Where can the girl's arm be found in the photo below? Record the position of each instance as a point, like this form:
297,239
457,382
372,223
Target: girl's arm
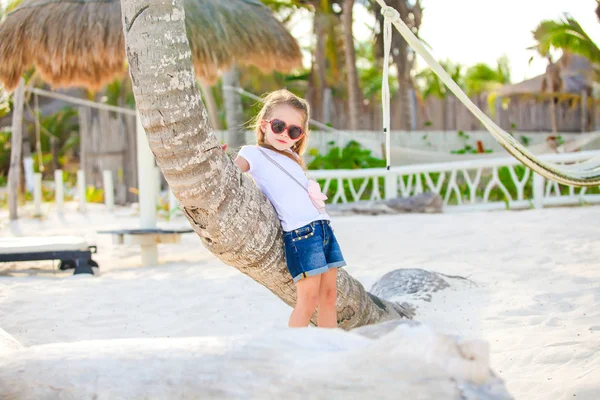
241,162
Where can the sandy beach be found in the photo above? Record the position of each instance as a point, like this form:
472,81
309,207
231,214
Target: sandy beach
532,290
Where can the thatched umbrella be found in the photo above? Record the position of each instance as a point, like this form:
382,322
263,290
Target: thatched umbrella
81,43
573,72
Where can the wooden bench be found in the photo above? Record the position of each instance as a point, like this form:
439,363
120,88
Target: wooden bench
72,251
147,239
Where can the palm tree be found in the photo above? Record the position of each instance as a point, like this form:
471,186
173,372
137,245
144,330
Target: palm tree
568,36
354,92
232,217
411,14
234,112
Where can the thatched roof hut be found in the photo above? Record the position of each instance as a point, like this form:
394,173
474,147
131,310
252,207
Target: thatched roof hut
575,74
81,43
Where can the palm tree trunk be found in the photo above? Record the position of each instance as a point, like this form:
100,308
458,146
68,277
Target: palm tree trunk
14,173
320,63
354,94
233,218
233,109
211,106
553,115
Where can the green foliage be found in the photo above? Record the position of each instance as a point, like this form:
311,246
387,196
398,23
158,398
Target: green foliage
4,153
94,195
565,34
5,102
369,72
353,156
525,140
120,93
481,77
430,84
467,148
163,210
61,127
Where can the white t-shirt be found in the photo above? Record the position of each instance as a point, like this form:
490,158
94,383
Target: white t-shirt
293,206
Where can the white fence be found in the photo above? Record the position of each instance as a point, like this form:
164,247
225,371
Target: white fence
489,184
472,185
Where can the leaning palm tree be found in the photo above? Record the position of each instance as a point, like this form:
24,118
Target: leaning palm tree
233,218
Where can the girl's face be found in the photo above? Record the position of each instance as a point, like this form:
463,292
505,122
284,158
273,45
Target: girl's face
290,116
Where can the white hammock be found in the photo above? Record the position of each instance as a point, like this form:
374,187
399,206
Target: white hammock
586,173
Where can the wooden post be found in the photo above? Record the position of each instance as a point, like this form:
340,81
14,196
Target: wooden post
14,173
584,109
173,203
538,190
391,185
234,110
81,190
109,193
37,194
84,131
59,190
147,192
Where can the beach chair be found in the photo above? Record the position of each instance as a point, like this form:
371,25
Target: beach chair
72,251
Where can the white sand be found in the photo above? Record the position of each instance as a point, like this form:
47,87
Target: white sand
535,297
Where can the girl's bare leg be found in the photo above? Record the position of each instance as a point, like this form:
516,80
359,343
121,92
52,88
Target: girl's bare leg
327,317
307,293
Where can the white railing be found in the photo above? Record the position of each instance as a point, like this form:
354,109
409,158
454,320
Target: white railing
487,184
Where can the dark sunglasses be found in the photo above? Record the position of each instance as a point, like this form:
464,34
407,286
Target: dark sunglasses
278,126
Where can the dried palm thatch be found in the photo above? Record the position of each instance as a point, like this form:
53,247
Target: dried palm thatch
571,74
80,43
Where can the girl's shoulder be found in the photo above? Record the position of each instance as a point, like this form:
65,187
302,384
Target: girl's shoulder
248,150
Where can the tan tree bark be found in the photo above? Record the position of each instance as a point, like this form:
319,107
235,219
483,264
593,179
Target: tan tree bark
354,93
411,15
14,173
233,218
211,105
233,109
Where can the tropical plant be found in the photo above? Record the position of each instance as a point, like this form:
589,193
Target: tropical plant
352,156
369,72
483,78
60,128
429,83
565,34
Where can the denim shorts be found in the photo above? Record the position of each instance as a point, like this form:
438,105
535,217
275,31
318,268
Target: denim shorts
312,250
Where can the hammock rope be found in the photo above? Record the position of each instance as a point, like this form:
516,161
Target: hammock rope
586,173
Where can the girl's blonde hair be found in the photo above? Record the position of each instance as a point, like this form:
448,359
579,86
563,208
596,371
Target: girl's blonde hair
277,98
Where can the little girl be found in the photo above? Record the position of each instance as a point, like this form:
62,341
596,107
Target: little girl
312,252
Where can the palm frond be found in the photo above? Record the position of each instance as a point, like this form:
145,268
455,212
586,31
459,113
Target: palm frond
567,35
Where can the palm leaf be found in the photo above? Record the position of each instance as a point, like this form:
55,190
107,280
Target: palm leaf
567,35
